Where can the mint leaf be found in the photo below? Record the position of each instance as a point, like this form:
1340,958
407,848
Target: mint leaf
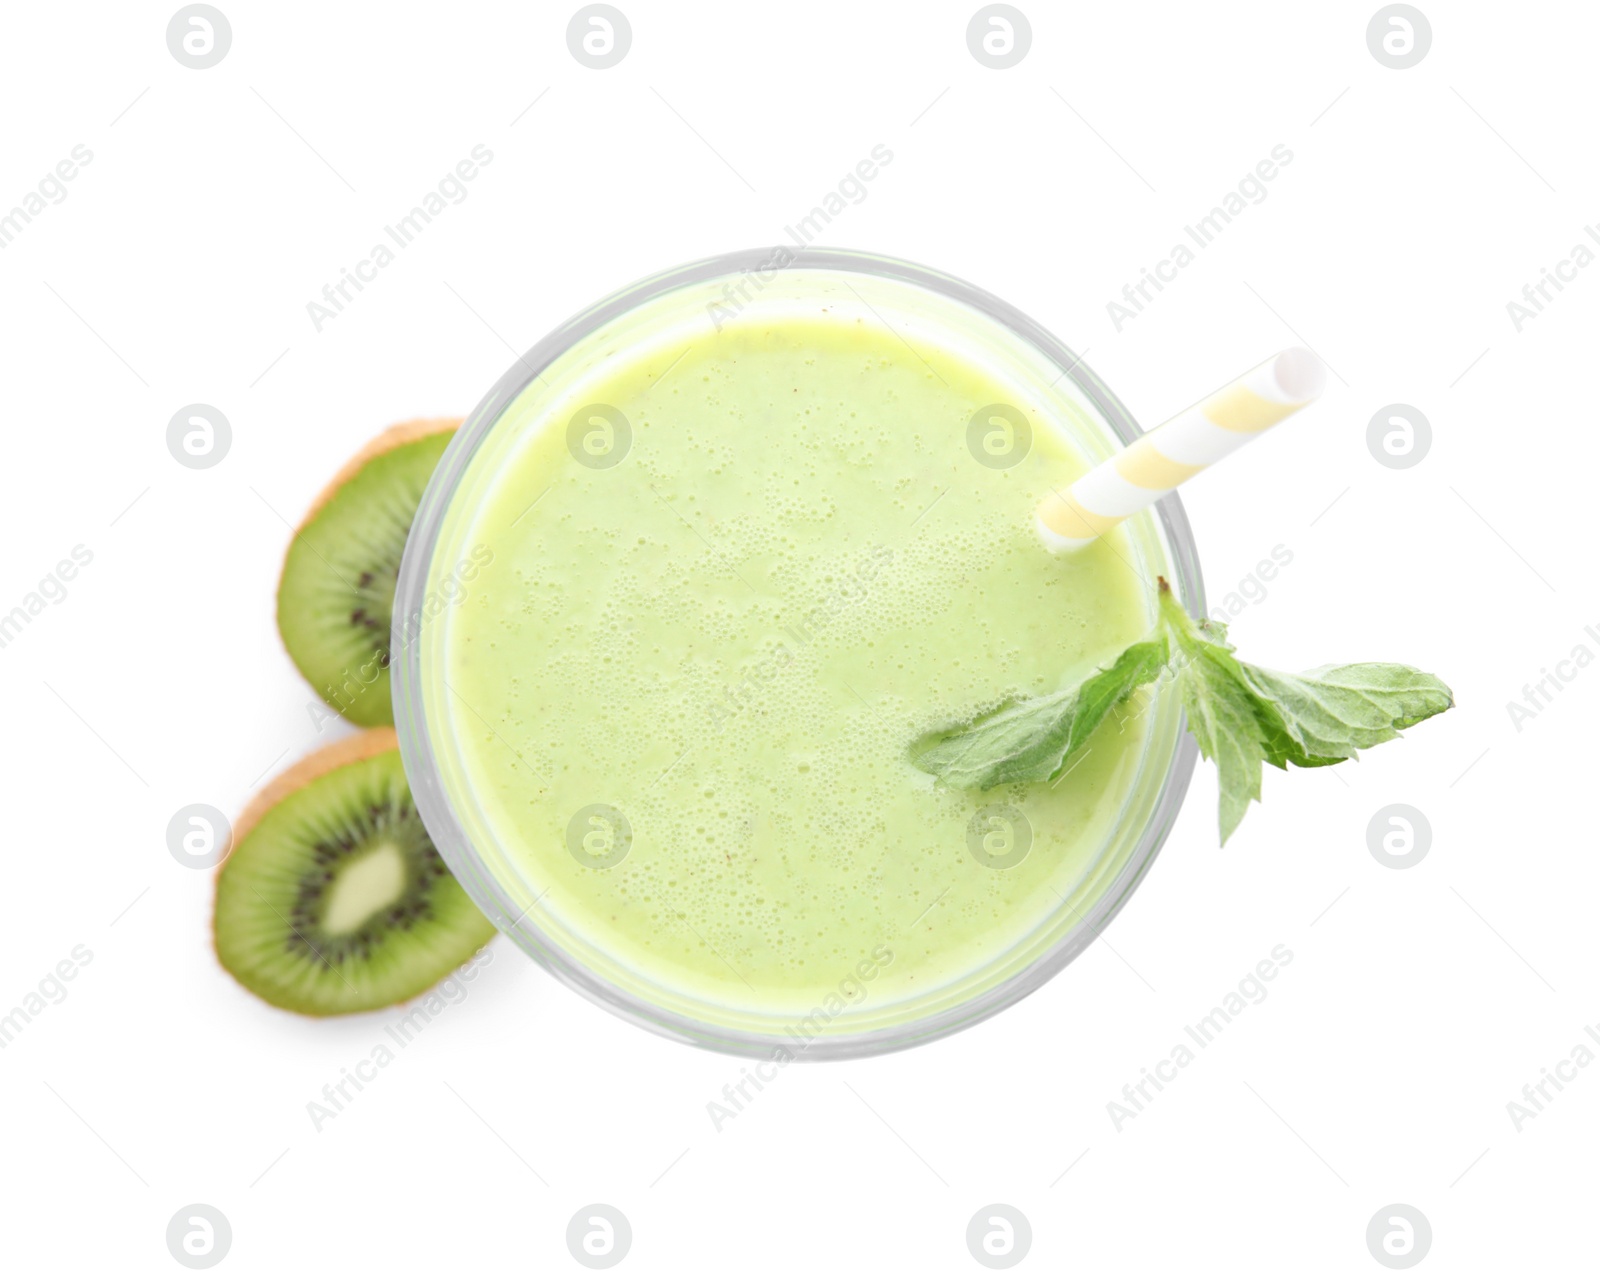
1225,719
1030,740
1331,713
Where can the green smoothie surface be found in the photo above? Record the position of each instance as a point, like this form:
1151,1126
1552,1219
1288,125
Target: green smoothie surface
731,634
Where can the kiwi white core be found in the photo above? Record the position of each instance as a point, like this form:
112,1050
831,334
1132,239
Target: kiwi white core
365,887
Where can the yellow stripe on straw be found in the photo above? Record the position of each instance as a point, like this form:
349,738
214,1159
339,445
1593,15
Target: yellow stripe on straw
1241,409
1144,466
1170,455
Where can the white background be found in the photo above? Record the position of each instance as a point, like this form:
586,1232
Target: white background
1419,1002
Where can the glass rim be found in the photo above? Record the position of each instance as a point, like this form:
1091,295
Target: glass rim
421,765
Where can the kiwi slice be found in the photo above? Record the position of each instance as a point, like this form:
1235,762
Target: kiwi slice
333,899
336,595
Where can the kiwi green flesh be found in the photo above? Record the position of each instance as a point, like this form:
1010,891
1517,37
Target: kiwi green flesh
337,902
336,598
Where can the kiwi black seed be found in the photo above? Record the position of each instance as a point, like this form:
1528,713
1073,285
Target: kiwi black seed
334,899
336,596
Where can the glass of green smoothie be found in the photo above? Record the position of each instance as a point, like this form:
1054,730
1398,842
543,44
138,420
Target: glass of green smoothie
688,585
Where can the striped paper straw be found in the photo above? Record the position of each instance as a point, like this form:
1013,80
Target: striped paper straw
1166,457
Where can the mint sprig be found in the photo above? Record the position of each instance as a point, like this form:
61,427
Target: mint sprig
1240,715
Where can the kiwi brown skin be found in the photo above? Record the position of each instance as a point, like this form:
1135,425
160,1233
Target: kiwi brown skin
352,681
392,437
357,747
351,750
